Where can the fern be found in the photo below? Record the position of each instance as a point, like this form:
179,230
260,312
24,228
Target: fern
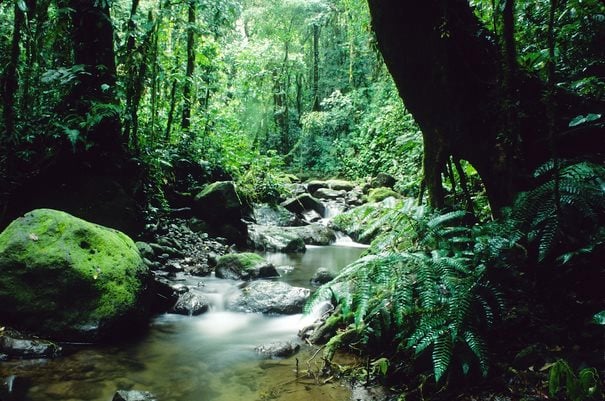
567,223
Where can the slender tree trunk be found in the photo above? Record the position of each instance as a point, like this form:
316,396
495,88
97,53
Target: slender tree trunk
10,79
154,77
170,112
187,88
131,77
316,106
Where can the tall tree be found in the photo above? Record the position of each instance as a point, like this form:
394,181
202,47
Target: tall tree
187,88
447,67
93,43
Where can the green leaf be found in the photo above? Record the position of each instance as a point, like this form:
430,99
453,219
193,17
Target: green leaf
22,6
579,120
72,134
599,318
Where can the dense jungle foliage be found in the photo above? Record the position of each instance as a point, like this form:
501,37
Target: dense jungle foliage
484,268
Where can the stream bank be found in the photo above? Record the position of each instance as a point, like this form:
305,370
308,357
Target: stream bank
215,352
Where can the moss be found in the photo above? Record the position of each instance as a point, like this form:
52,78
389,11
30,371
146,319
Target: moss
59,272
380,194
223,191
245,260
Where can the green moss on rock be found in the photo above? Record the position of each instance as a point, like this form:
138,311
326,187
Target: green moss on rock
66,278
380,194
245,260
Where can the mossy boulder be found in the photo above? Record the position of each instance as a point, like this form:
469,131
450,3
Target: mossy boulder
64,278
380,194
223,208
244,266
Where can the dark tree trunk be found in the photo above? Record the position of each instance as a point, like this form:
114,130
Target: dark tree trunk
130,122
187,88
447,69
10,80
315,67
92,35
170,112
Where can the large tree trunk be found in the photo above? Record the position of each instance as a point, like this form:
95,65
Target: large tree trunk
92,35
447,69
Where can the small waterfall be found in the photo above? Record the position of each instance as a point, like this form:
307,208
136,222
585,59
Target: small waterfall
344,240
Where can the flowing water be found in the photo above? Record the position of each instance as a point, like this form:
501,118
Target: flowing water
209,357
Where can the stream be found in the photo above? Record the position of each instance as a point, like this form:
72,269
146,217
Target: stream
209,357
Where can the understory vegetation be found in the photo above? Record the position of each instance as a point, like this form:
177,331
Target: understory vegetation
457,284
435,288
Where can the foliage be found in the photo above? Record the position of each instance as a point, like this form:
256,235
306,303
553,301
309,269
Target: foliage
563,214
435,296
583,386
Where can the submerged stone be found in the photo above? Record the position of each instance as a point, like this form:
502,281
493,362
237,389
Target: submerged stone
65,278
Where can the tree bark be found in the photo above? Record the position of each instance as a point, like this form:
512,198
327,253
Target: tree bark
315,67
447,68
10,80
92,36
187,88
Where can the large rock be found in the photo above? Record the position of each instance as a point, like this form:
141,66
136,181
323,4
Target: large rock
290,239
380,194
244,266
327,193
276,239
191,303
304,202
337,185
64,278
17,345
278,349
274,215
383,180
223,208
269,297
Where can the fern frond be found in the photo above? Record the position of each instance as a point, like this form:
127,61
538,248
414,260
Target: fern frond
478,348
442,354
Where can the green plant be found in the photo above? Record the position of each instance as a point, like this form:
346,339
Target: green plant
563,214
562,380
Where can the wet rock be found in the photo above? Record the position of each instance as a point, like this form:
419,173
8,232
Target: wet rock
49,258
278,349
16,345
133,395
191,303
269,297
383,180
277,239
290,239
327,193
244,266
145,250
223,209
311,216
321,276
304,202
337,185
163,294
274,215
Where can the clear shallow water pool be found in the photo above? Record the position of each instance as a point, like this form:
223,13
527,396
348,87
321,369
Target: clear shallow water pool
209,357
